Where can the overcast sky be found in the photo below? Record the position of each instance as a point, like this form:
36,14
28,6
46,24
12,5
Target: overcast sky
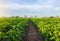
38,8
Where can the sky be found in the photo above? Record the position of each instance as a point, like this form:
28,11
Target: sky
28,8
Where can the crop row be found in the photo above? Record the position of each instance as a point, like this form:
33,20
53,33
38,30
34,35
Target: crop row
12,29
50,28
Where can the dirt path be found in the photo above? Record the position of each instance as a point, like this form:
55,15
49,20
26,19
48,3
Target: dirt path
32,34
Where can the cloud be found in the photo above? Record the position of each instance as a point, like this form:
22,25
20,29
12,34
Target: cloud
2,9
50,1
44,8
18,6
29,6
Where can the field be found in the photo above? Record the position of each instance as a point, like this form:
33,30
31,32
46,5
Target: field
29,29
50,28
11,29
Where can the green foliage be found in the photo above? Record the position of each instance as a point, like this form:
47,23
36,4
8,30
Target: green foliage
12,28
50,27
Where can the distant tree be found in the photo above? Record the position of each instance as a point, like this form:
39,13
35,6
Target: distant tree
51,16
35,16
17,17
31,16
4,17
12,17
25,16
57,16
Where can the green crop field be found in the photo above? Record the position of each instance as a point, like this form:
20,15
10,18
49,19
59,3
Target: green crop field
29,20
13,28
50,27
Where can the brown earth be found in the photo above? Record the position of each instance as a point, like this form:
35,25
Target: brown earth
32,33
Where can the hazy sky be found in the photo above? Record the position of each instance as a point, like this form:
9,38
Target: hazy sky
38,8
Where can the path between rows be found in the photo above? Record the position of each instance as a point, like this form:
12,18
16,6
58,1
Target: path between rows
32,34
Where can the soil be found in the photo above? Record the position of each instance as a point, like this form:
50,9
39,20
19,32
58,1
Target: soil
32,33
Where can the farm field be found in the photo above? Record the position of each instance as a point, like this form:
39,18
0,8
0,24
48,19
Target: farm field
11,29
29,20
49,26
29,29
